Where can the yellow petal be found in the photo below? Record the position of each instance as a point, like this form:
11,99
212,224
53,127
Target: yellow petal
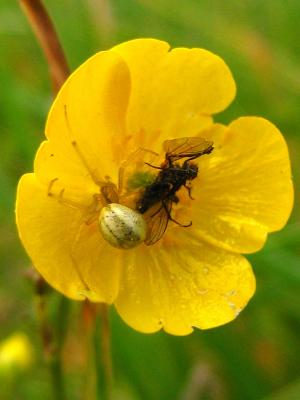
86,124
173,93
244,189
58,170
190,284
65,245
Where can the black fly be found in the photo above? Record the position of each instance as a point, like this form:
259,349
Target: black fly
160,195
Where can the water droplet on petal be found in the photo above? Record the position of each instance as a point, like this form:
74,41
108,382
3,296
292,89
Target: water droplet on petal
234,308
202,291
232,305
237,311
230,293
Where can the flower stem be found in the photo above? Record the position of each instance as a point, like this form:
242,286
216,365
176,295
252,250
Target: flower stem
89,313
58,386
103,354
53,336
98,381
45,32
55,362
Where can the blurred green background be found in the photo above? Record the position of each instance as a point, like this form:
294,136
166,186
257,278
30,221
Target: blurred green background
254,357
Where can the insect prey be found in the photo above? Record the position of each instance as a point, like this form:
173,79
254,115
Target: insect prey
161,194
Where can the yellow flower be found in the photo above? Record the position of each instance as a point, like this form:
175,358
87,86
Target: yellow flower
138,95
15,352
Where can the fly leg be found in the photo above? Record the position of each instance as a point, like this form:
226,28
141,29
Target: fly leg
168,211
153,166
189,190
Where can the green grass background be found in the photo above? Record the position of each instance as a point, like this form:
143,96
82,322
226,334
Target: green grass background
254,357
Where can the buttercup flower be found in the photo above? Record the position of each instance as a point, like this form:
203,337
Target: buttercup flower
108,133
15,353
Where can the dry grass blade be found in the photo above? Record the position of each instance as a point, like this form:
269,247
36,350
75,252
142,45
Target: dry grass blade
48,39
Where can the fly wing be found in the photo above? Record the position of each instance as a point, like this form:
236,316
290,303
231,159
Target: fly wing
157,222
135,173
188,147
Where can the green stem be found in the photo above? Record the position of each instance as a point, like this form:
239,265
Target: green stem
52,339
53,335
103,355
99,356
55,362
58,388
61,322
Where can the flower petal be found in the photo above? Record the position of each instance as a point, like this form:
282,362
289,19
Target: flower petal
68,252
86,124
173,93
244,189
188,284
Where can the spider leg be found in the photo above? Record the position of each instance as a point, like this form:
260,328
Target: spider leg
90,211
87,220
73,258
60,197
109,193
79,152
51,183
